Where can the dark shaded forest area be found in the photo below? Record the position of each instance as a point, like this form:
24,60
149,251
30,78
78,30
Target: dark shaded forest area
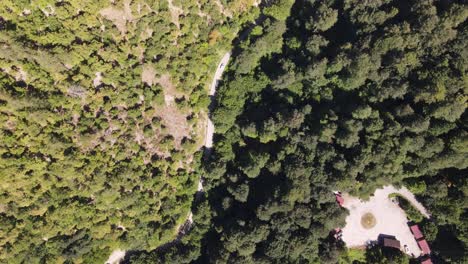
335,95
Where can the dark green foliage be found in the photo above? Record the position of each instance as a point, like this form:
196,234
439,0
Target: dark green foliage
446,200
270,42
412,213
279,9
361,94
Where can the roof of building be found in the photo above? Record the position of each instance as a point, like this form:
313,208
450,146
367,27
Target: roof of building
427,261
424,246
390,242
416,232
339,199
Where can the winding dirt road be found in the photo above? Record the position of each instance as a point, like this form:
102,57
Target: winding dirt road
209,124
118,255
214,84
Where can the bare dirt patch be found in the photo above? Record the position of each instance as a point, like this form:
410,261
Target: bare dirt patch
148,33
175,13
140,50
22,75
175,122
223,10
170,91
166,83
119,17
10,124
148,75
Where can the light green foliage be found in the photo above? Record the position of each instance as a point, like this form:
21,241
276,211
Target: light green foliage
279,9
415,185
271,41
352,255
90,158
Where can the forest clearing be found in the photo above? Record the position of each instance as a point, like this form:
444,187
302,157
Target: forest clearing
390,219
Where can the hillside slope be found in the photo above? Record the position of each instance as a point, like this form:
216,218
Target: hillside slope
103,109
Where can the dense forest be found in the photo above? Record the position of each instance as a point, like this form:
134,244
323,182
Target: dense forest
102,111
103,103
335,95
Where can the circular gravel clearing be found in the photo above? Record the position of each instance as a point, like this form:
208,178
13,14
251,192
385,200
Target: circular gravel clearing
390,219
368,221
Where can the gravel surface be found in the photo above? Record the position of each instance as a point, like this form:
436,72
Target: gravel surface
390,219
218,74
116,256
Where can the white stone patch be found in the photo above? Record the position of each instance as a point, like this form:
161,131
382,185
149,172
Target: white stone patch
116,256
98,79
200,185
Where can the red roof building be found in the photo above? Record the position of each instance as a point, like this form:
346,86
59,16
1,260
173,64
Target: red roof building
339,199
424,246
426,261
391,242
416,232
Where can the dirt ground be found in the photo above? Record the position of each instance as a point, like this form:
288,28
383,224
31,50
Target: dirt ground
119,17
390,219
175,13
